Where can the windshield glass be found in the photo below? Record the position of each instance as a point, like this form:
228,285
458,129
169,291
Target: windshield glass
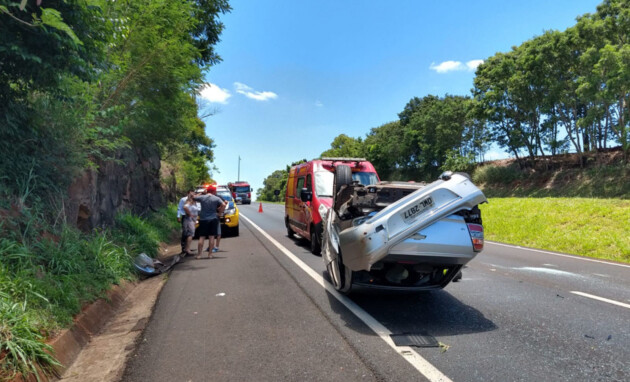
241,189
324,183
365,178
225,195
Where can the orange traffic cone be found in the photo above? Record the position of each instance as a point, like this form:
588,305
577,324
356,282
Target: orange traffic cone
260,208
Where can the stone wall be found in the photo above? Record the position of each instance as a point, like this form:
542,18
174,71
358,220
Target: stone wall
131,182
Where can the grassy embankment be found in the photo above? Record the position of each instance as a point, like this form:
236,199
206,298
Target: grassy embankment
579,211
47,274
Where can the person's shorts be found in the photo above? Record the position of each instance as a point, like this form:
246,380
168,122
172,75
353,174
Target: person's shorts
208,227
188,226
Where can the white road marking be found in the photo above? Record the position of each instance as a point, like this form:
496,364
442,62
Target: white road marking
547,271
422,365
601,299
558,254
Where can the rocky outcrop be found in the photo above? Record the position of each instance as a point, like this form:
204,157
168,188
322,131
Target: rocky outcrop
130,182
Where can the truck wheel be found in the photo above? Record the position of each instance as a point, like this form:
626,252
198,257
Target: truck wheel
316,243
290,232
343,175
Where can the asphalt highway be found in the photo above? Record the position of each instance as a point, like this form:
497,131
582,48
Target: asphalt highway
263,310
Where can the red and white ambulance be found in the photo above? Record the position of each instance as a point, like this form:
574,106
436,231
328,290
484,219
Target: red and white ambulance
310,193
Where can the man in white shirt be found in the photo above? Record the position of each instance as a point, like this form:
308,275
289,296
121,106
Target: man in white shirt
181,213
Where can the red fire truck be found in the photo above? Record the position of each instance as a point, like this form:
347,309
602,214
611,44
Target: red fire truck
241,192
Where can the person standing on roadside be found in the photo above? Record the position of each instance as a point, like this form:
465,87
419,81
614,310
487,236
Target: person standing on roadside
192,208
180,216
211,207
218,238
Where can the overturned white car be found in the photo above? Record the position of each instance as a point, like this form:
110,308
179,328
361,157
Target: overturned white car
396,235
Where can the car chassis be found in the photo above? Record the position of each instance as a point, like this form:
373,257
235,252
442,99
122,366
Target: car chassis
396,235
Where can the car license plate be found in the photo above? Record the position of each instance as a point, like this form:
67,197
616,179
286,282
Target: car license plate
411,213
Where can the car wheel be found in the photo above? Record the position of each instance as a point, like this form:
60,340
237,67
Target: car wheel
343,175
316,243
457,277
340,275
235,231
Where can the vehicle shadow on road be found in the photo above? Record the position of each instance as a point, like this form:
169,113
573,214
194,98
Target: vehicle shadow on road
435,313
302,243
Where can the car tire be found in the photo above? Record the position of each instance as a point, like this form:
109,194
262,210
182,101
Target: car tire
457,277
235,231
340,275
343,175
316,242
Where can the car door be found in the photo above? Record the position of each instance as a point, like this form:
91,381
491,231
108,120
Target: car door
300,208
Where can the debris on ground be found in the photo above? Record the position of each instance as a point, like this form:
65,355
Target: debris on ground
147,266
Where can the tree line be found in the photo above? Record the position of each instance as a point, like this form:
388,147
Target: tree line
562,91
81,80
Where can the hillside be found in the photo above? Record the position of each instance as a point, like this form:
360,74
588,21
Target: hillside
594,175
564,204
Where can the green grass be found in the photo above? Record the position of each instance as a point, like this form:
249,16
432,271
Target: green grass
591,227
45,282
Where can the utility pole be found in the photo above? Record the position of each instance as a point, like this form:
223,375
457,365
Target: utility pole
238,179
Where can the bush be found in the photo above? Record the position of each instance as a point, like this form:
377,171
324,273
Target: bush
496,175
136,234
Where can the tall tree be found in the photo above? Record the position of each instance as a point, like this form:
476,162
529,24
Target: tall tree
434,126
384,149
345,146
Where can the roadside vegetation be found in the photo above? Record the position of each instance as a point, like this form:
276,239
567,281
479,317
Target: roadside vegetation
82,85
591,227
583,211
48,274
83,81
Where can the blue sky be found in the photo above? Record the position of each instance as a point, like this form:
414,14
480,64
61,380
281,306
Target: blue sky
295,74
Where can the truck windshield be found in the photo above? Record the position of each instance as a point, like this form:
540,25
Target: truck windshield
365,178
324,181
241,189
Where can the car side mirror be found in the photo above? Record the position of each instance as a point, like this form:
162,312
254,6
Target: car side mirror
306,195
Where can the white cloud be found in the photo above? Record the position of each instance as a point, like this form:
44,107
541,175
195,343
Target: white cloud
446,66
214,93
473,64
452,66
318,103
253,94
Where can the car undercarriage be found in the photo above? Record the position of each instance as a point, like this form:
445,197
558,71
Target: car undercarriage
401,235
